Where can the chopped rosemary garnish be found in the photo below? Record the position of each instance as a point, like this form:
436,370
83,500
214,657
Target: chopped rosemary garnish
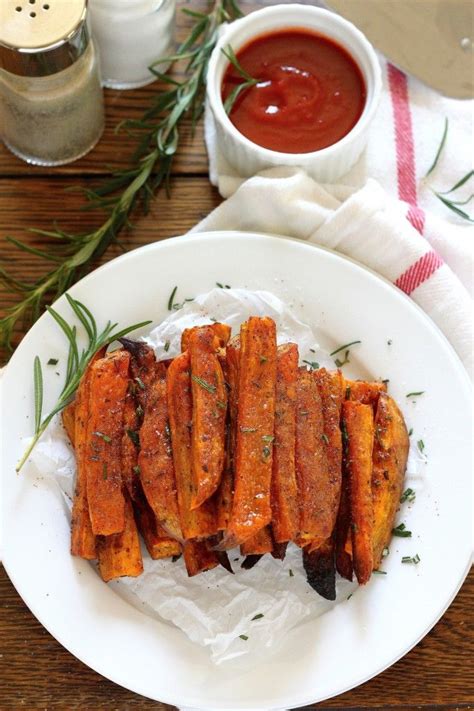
440,148
385,381
312,364
103,436
76,363
343,348
136,469
291,574
171,299
140,383
389,342
266,451
401,531
158,134
104,471
223,286
52,361
379,572
421,446
410,431
385,552
408,495
348,392
204,384
417,394
166,347
325,438
263,359
134,437
257,617
268,438
411,559
339,363
248,429
248,82
244,637
139,411
221,404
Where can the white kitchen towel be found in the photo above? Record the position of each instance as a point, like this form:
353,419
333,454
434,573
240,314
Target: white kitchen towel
383,213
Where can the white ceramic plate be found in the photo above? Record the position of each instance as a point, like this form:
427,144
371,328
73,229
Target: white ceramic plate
357,639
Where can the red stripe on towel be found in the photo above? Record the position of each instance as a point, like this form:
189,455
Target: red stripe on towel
419,272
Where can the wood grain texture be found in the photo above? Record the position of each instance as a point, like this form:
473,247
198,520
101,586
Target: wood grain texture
35,671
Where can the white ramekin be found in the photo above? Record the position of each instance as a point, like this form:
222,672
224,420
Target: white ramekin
328,164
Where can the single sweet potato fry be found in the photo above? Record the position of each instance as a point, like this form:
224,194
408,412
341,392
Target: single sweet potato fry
198,558
331,390
83,543
209,414
315,491
68,417
120,554
251,508
388,474
284,496
230,367
221,332
359,424
158,544
155,459
131,427
201,522
259,544
108,388
365,393
320,569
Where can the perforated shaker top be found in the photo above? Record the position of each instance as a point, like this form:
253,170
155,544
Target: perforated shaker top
40,37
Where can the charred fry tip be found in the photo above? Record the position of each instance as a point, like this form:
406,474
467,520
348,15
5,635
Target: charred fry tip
250,561
223,559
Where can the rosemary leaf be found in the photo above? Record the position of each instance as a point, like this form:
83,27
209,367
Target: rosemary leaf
248,82
344,347
440,148
38,391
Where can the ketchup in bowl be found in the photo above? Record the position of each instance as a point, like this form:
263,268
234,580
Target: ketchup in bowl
309,95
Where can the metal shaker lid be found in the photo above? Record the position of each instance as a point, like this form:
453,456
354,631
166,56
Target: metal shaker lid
41,37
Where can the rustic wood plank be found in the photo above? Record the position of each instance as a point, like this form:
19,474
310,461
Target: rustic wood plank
37,673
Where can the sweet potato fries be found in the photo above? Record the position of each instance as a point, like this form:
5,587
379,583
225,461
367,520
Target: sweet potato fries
232,444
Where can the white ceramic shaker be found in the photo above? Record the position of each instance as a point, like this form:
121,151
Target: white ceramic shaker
131,35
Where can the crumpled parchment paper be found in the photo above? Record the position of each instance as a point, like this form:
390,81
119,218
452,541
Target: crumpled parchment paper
213,609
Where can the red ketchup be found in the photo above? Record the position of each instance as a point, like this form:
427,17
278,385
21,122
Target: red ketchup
310,92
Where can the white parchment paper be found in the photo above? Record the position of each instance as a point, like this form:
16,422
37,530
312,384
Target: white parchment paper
213,609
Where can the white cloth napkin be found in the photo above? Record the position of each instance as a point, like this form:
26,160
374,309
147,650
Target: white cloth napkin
383,213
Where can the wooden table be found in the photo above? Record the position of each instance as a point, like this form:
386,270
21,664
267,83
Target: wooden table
35,671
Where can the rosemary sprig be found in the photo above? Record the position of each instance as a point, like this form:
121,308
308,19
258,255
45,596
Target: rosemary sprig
248,82
452,205
76,363
157,142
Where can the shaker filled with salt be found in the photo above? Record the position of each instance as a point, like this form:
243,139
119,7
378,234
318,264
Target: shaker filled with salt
51,100
132,35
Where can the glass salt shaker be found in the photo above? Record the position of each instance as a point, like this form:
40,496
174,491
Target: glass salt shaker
131,35
51,99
